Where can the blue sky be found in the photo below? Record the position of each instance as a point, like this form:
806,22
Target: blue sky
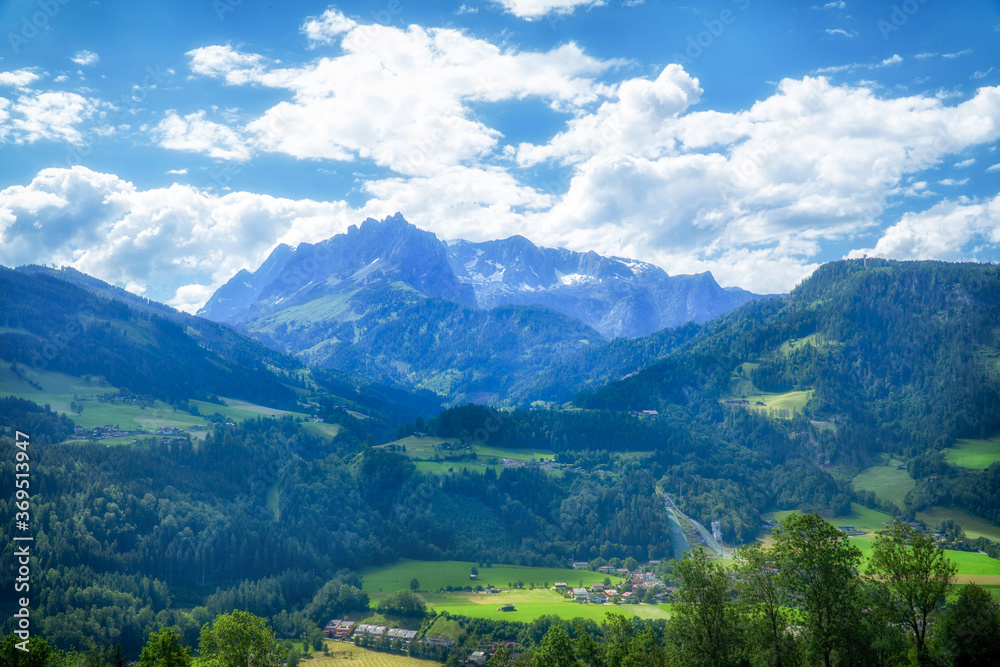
164,146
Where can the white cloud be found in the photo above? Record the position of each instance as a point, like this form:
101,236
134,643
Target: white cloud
534,9
85,58
995,167
953,182
632,122
812,162
46,116
328,27
21,78
966,163
400,98
466,9
174,244
894,59
178,172
835,5
959,54
943,232
841,32
196,134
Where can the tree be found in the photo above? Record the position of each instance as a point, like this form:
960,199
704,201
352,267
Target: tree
917,575
502,658
819,567
556,650
414,584
240,639
631,564
118,658
969,628
39,653
164,649
704,623
402,603
762,606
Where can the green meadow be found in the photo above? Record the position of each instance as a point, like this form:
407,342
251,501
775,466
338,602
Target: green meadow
860,517
974,454
972,566
435,575
887,482
429,456
530,605
973,526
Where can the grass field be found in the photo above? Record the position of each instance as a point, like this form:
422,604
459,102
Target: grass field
791,402
344,654
973,526
860,517
531,605
974,454
428,455
972,567
887,482
435,575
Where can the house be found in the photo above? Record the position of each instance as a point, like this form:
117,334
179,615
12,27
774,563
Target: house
507,607
474,576
344,630
650,413
580,565
477,658
438,641
405,636
597,588
330,630
580,594
371,630
561,585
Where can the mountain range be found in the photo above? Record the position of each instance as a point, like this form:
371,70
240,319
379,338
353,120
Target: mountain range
469,321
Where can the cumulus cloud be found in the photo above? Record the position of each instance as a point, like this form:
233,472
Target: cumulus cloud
327,27
811,163
399,97
195,133
45,116
21,78
943,232
175,244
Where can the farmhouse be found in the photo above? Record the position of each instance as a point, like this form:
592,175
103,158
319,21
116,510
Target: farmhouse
580,594
561,585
